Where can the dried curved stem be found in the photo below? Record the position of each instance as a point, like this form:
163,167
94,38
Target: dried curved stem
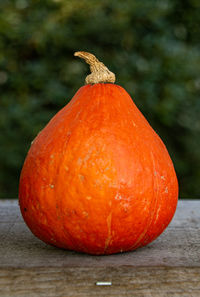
99,72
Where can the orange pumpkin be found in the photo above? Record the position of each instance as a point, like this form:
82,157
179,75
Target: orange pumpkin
98,179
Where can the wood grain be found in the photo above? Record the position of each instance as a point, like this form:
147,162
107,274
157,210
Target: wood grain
170,266
126,281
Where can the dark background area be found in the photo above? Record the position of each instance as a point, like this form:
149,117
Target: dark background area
152,46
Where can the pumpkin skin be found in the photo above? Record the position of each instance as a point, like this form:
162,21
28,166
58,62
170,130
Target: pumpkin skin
98,179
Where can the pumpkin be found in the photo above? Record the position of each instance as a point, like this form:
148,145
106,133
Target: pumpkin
98,179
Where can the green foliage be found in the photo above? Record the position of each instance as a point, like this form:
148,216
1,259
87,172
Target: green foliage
152,46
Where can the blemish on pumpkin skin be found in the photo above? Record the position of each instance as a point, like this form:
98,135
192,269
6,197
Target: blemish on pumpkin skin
105,177
162,177
125,206
157,214
51,186
139,238
85,214
79,161
118,197
51,161
71,213
109,237
81,177
97,182
66,168
133,123
88,197
166,190
77,115
52,239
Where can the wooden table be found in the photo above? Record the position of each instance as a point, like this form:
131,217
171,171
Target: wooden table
170,266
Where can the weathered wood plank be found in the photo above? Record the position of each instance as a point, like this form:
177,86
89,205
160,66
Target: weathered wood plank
170,266
126,281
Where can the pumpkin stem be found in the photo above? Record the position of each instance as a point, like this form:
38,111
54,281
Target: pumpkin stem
99,72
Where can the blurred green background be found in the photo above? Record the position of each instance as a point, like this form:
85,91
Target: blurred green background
153,46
